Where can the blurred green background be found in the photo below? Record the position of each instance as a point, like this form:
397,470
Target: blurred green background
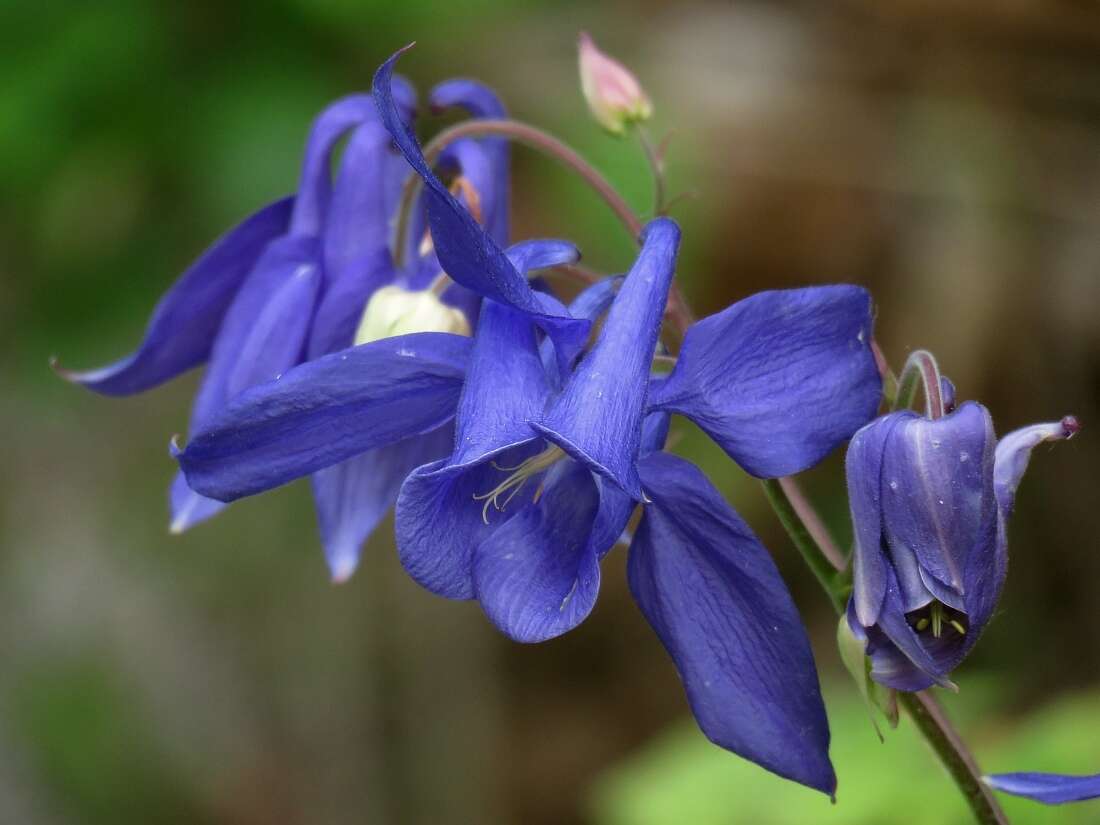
945,155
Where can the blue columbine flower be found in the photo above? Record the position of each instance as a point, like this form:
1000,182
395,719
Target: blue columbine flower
930,502
290,284
555,445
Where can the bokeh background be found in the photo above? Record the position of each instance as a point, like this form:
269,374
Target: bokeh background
946,155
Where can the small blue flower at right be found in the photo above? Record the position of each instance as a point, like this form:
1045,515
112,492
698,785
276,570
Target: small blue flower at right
930,502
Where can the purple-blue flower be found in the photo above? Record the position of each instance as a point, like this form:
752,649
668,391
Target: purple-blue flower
556,442
930,501
291,283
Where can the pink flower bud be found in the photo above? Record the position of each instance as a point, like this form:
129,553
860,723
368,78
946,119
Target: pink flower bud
614,95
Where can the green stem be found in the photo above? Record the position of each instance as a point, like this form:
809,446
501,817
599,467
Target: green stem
816,559
920,370
930,719
657,165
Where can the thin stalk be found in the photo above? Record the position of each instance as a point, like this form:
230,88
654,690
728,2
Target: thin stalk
920,370
653,156
813,523
816,559
929,717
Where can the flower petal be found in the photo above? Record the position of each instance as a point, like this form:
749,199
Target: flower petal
1014,452
326,411
1049,788
598,417
714,597
464,249
315,184
935,483
888,669
352,497
187,507
863,468
542,253
441,517
263,335
538,575
357,228
482,102
341,306
779,379
186,320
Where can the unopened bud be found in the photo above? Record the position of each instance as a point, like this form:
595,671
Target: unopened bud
396,311
614,96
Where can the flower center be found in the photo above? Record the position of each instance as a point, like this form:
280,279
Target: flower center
500,496
935,616
396,311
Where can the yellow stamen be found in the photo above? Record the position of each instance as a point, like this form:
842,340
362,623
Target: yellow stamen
500,496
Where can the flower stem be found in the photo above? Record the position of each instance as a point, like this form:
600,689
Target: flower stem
815,557
929,717
657,165
920,369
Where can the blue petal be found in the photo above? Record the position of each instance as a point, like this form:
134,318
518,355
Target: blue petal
358,226
1049,788
315,184
439,519
538,575
262,336
598,417
187,507
590,304
186,320
476,165
542,253
505,388
481,102
1014,452
888,670
863,467
326,411
935,483
352,497
715,599
475,97
341,306
779,379
464,249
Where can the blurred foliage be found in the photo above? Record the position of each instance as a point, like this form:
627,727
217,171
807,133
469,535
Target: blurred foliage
948,157
680,777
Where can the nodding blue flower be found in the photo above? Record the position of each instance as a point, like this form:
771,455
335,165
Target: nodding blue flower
930,502
556,443
293,282
1049,788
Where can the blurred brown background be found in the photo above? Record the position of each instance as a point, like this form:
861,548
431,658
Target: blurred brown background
946,156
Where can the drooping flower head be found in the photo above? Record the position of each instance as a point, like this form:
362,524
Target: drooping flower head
930,501
304,277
